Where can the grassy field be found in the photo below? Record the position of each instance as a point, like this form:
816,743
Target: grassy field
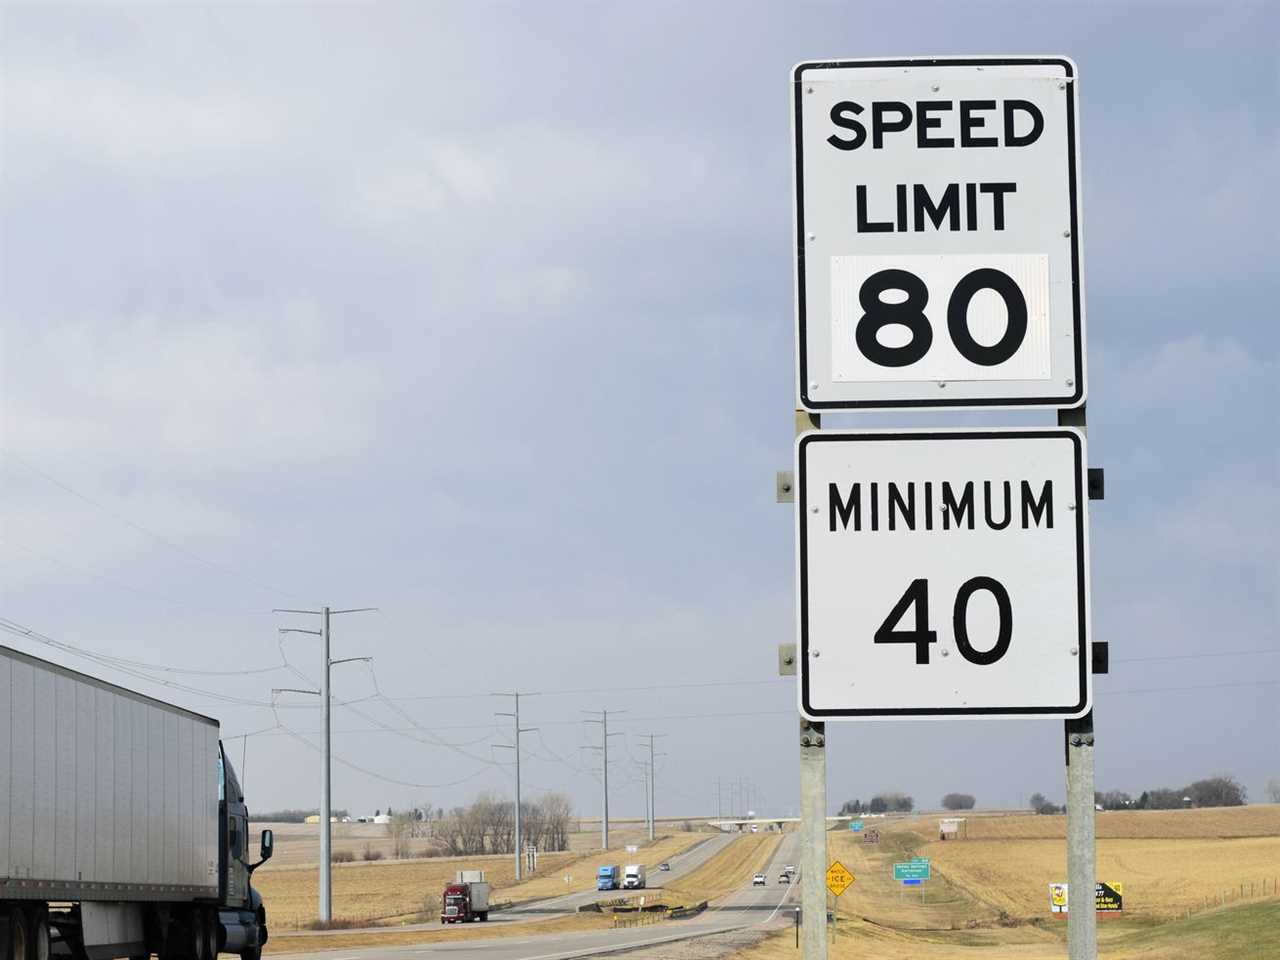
298,844
729,870
988,899
1249,931
302,943
581,871
392,890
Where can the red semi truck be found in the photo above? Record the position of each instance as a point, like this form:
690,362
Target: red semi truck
466,899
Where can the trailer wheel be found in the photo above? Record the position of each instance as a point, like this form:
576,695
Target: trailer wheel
251,953
19,935
208,935
40,938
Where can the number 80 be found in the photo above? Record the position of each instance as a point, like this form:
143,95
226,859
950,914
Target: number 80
910,314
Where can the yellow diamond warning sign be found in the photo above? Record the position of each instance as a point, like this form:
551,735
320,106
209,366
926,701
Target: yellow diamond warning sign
839,879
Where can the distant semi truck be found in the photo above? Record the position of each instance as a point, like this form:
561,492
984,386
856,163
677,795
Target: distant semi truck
634,876
466,899
609,878
123,828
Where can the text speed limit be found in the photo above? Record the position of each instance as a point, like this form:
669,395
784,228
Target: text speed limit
942,573
940,318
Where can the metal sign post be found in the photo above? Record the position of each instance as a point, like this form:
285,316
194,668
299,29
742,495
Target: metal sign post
1082,925
937,265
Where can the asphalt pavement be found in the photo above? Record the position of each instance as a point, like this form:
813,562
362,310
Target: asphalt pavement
750,906
681,865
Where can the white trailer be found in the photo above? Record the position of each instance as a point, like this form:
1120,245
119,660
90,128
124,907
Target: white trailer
123,812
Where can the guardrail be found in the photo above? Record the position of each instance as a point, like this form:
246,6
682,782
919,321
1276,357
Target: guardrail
681,913
637,919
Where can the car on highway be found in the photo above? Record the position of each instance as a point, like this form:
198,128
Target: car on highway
759,880
784,877
664,866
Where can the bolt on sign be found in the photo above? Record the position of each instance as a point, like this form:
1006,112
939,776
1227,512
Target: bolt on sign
839,879
942,573
937,216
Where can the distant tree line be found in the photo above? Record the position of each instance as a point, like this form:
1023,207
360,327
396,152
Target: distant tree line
294,816
958,801
890,802
1041,804
488,825
1219,791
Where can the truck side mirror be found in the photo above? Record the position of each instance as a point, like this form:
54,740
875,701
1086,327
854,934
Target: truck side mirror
268,845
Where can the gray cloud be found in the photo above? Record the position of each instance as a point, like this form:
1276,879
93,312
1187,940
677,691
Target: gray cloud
482,314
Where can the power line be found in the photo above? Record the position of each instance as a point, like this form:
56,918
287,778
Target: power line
112,581
584,691
1203,686
172,545
378,776
1196,656
19,630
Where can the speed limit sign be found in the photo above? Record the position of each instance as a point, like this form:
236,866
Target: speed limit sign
938,233
943,573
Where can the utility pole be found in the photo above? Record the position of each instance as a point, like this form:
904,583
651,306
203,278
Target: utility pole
604,768
326,780
653,814
516,695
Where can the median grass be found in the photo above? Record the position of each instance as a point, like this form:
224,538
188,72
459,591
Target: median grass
729,870
389,891
287,942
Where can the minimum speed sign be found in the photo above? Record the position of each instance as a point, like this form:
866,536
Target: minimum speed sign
943,573
938,233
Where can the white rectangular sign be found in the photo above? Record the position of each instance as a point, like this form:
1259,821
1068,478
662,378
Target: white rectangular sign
938,233
943,573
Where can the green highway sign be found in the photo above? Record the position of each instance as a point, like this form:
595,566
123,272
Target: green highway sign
915,870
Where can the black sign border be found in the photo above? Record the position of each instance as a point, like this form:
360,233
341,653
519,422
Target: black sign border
1078,394
1080,708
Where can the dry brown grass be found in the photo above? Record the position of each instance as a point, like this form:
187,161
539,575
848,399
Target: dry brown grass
582,870
988,899
1249,930
1260,820
301,943
389,890
729,870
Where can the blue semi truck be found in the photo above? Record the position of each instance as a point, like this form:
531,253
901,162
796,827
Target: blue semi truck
609,878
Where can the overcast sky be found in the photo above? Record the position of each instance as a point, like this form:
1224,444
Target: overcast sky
481,314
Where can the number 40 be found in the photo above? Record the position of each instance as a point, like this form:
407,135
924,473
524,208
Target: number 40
917,595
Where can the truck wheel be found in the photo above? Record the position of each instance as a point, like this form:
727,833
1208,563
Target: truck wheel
40,938
209,935
251,953
484,917
19,935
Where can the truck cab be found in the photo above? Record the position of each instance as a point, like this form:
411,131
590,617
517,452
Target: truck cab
608,877
242,919
634,877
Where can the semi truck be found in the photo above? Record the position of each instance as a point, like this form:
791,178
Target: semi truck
466,899
609,877
123,827
634,876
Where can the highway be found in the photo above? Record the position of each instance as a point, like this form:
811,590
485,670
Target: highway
744,908
681,865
